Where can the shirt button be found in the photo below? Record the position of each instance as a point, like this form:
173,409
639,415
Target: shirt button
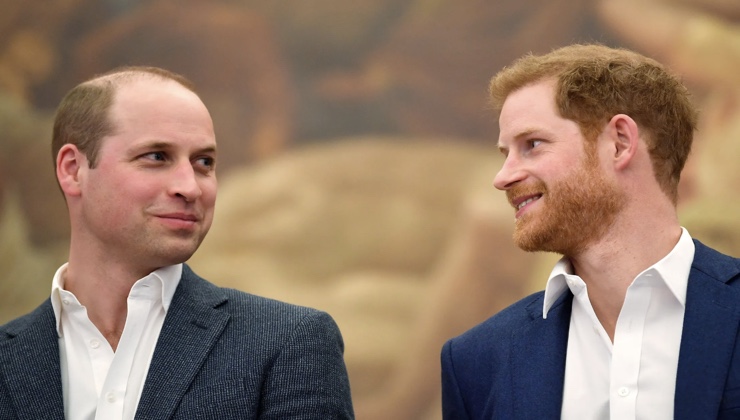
596,328
110,397
94,343
65,301
623,391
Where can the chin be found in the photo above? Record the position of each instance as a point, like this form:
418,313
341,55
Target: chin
530,237
545,240
172,255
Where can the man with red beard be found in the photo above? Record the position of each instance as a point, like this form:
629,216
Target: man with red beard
637,320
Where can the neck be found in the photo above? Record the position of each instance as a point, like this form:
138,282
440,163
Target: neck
608,267
103,287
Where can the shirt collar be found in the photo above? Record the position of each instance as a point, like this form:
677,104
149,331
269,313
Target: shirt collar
673,269
165,278
556,284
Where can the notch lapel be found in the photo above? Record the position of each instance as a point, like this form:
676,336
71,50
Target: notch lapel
538,361
31,366
709,336
191,328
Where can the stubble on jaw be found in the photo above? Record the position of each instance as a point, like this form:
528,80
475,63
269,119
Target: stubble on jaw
573,213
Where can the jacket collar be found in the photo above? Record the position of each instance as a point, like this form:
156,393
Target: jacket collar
538,360
30,354
711,322
191,328
709,334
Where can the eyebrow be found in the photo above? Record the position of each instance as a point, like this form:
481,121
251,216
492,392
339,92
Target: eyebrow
524,133
168,145
209,149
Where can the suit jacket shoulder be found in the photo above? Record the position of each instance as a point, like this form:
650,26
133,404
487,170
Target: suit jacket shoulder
510,366
708,375
513,364
30,376
715,265
227,354
499,327
221,354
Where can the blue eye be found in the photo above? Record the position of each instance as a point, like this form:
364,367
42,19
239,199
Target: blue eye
207,161
159,156
205,164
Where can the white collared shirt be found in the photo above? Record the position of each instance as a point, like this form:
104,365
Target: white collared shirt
635,377
98,383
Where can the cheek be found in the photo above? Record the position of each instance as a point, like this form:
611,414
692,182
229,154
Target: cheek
209,191
128,193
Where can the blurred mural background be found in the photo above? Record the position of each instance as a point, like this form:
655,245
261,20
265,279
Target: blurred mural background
356,151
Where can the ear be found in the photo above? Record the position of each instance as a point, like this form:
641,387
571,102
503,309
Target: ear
71,162
624,137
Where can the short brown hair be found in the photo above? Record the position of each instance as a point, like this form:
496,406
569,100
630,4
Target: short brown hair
82,116
595,82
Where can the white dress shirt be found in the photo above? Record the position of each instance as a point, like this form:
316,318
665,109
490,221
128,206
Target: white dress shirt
635,377
97,382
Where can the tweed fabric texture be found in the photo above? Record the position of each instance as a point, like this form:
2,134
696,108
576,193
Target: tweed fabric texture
221,354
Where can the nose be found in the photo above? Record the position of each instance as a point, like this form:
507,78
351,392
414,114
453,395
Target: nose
185,182
509,174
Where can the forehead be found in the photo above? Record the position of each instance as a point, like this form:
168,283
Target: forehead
145,94
159,106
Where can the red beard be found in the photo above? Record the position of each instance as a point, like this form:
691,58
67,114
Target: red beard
573,213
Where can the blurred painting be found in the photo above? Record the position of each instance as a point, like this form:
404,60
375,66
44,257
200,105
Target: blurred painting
356,151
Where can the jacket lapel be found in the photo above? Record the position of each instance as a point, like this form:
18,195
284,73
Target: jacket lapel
191,328
538,361
709,334
31,364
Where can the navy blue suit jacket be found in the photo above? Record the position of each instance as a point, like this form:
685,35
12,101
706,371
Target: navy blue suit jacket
221,354
512,366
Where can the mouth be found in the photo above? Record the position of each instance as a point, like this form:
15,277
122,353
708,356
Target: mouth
525,202
179,220
522,202
180,216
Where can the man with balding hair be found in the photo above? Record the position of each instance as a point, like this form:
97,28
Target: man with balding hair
130,331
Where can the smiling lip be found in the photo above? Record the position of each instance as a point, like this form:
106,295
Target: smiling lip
520,203
179,220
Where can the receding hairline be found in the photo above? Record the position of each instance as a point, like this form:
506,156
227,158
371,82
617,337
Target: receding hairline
129,74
